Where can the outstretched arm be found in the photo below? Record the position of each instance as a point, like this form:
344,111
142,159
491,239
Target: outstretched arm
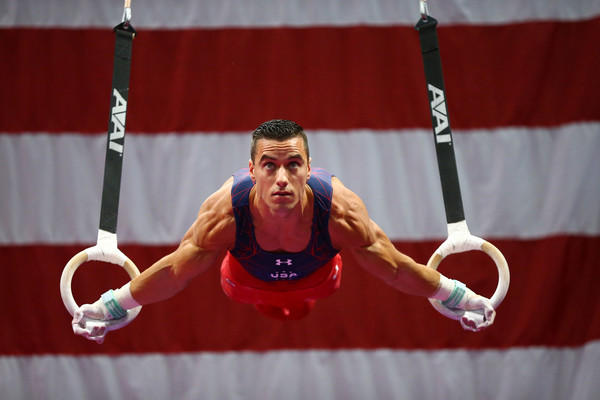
203,246
380,257
171,274
352,229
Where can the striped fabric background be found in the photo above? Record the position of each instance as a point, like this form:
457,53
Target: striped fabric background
522,84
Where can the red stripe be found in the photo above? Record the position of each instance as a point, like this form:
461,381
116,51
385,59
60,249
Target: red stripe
552,301
534,74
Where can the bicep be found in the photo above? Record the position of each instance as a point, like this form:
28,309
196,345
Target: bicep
352,229
349,222
190,260
208,237
374,251
203,245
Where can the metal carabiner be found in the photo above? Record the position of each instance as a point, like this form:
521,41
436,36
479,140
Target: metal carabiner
126,12
424,9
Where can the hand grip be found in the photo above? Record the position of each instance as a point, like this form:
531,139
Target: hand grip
503,277
67,294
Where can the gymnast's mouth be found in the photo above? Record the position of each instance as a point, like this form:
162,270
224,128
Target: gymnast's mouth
282,193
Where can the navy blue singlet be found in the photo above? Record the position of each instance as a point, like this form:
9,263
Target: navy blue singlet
268,266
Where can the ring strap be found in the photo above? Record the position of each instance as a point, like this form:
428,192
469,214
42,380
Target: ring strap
439,118
116,128
455,215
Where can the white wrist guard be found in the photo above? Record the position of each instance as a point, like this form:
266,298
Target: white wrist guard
451,292
124,297
456,297
119,301
444,289
112,305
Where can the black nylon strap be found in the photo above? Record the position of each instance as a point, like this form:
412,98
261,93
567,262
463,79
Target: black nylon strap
439,119
116,128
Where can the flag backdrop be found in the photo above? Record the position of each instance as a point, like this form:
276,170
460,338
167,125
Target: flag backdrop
522,89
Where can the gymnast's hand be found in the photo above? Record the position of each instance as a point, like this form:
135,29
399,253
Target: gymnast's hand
476,312
479,313
89,321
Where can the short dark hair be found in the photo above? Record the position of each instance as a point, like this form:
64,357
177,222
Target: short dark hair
278,129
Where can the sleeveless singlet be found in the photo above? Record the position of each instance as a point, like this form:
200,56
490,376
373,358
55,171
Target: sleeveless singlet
268,266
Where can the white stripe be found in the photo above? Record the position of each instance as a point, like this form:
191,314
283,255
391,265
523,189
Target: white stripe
516,183
525,373
269,13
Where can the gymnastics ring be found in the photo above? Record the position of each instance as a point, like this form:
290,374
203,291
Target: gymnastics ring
475,243
67,277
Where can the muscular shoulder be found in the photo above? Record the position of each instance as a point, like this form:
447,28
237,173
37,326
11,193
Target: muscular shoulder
349,222
215,226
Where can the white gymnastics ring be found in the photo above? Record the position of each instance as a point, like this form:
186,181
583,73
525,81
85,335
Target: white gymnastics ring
503,277
67,294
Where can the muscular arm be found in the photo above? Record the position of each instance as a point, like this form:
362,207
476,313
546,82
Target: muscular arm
203,246
351,228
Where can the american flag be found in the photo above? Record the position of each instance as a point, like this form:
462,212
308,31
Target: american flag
522,90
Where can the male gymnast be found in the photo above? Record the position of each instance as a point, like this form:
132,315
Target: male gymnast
276,229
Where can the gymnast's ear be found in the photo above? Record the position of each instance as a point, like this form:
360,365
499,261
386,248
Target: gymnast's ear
251,170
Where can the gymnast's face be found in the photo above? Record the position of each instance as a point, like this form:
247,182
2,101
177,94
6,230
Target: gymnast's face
280,170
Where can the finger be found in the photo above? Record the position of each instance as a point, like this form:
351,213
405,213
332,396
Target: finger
490,314
90,329
89,310
77,316
473,321
483,326
99,335
98,330
477,327
86,333
467,324
79,330
80,324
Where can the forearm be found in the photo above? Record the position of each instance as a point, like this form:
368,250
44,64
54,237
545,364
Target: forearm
413,278
154,284
171,274
159,282
383,260
404,274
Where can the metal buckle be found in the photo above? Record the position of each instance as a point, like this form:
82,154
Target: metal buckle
127,12
424,9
